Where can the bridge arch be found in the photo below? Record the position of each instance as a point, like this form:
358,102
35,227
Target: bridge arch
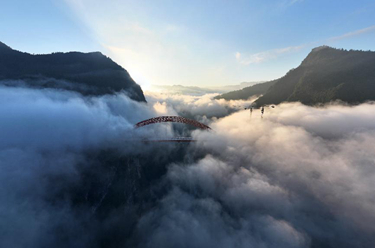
178,119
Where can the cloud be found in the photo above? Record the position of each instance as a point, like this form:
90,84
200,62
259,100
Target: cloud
352,34
68,119
202,108
59,152
74,174
277,180
262,57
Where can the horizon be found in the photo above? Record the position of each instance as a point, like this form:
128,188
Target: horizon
151,87
195,44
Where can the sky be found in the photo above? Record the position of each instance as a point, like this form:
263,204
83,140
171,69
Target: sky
200,43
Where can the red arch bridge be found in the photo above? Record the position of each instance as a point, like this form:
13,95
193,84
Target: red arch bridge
175,119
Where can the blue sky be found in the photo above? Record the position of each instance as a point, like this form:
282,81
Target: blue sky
190,42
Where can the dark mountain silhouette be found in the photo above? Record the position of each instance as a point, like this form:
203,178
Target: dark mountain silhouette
87,73
245,93
325,75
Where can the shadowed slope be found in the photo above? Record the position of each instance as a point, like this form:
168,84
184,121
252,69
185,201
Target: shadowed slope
327,74
87,73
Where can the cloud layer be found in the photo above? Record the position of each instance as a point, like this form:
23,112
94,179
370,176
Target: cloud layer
203,108
299,177
74,174
59,155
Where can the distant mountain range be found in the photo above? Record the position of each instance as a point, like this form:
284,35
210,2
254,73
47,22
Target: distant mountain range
325,75
198,91
247,92
87,73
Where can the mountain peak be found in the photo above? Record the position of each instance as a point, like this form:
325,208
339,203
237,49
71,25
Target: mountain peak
319,48
4,46
321,54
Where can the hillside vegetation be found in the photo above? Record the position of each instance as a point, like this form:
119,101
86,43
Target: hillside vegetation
325,75
245,93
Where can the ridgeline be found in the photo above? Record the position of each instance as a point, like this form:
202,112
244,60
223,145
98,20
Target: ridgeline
86,73
325,75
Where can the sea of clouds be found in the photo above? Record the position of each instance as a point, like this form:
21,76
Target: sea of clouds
75,173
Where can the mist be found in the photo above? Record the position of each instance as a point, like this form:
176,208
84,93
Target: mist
203,108
73,173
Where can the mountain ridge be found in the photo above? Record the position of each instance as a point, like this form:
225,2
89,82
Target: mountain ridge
87,73
247,92
326,74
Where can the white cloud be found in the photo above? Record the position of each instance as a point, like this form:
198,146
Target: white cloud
261,57
203,108
284,180
354,33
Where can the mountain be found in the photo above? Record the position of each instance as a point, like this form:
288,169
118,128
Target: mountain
325,75
245,93
184,90
87,73
198,91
